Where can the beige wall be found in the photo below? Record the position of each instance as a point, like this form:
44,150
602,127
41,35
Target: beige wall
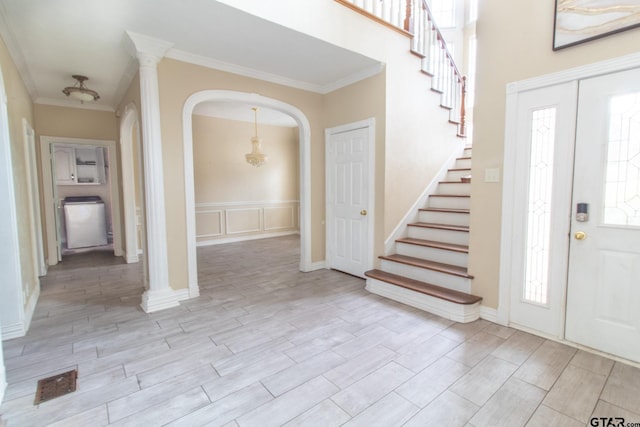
221,173
514,43
19,107
234,198
53,120
179,80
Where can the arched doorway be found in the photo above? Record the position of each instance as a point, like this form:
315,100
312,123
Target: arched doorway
305,170
130,155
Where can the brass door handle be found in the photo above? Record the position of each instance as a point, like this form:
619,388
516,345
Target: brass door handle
580,235
363,212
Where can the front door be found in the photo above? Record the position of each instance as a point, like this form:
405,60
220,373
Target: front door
348,217
603,299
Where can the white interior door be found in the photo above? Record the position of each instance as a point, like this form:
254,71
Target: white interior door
604,265
544,148
348,200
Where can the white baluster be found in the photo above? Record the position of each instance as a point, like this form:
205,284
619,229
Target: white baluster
377,8
368,5
397,13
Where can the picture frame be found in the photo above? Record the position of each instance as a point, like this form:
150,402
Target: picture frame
579,21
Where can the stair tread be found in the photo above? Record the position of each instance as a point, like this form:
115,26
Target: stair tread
453,182
449,195
464,158
460,169
447,210
429,265
433,244
440,226
424,288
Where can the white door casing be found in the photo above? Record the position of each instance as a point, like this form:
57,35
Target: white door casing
129,135
33,186
349,197
46,143
604,265
545,140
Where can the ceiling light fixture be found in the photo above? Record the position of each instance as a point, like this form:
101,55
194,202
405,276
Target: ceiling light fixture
256,157
79,91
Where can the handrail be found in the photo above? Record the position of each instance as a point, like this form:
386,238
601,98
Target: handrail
415,18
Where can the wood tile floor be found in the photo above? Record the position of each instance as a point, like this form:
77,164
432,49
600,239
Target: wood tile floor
266,345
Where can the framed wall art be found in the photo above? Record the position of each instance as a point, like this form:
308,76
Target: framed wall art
578,21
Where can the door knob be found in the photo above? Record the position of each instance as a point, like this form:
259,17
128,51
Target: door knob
363,212
580,235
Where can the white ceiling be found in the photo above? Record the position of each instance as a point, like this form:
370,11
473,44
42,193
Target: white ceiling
50,40
243,112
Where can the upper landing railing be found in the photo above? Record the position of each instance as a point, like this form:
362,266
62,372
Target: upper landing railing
414,18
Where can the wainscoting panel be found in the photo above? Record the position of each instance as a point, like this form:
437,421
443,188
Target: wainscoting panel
209,223
279,218
236,221
247,220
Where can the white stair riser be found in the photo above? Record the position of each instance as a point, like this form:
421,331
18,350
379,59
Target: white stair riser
468,152
449,202
462,163
439,235
437,278
462,313
455,175
450,218
434,254
458,188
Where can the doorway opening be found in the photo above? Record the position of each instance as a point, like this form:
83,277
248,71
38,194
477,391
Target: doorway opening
304,170
81,196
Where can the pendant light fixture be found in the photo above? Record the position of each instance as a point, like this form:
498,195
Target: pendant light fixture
79,91
256,158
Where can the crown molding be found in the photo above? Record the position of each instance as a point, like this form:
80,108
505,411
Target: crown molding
143,44
353,78
16,54
180,55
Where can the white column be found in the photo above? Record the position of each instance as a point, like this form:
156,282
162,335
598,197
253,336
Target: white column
159,295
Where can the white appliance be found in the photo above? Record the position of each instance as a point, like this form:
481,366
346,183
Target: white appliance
85,221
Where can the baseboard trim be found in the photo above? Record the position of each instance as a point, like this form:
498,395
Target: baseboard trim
15,330
457,312
31,306
131,259
490,314
3,383
245,238
319,265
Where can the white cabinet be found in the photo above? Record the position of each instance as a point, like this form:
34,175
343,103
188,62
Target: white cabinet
64,158
79,165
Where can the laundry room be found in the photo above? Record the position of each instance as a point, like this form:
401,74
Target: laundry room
83,196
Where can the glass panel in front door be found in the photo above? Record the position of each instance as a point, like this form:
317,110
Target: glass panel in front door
622,185
543,124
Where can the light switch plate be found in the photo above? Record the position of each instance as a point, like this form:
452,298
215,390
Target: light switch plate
492,175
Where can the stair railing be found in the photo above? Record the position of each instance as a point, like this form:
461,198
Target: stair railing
414,17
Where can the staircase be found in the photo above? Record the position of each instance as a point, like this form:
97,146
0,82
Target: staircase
429,268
